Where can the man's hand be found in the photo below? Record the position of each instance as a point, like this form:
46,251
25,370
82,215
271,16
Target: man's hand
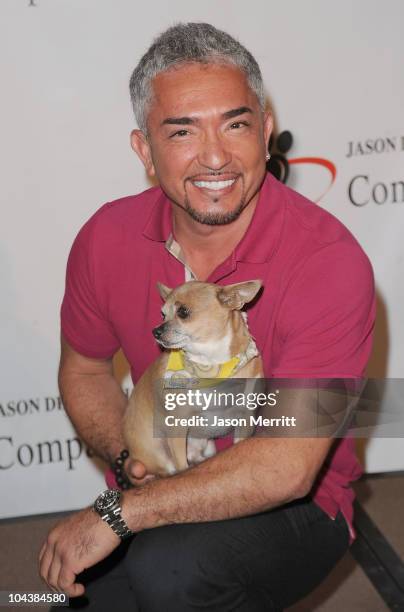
76,543
136,472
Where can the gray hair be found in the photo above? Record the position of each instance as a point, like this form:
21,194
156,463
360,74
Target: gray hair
189,42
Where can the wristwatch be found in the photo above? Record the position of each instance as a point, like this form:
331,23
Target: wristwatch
108,506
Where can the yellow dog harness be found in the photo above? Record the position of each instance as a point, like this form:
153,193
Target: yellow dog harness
179,366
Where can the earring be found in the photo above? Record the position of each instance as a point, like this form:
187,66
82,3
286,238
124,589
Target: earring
268,157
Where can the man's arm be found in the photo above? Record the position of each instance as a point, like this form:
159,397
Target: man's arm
93,400
255,475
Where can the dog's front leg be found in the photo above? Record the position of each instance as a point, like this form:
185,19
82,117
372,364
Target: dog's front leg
178,450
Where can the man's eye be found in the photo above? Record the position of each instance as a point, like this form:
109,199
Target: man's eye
180,133
182,312
238,124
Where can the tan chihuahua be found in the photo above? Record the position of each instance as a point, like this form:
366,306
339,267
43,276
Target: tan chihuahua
207,337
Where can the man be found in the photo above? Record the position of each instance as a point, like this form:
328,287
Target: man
260,524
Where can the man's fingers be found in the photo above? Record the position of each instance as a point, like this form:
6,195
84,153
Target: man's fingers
41,553
46,561
138,482
67,583
60,577
141,481
136,469
76,590
137,473
54,571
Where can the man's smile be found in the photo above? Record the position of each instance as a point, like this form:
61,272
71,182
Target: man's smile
215,185
222,183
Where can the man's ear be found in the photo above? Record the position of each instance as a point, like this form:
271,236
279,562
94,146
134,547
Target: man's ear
141,147
163,291
235,296
268,127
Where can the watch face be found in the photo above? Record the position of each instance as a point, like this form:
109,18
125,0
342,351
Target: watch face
107,500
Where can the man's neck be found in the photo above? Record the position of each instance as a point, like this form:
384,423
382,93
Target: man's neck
206,246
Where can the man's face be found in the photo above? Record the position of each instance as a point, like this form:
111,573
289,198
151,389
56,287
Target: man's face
207,140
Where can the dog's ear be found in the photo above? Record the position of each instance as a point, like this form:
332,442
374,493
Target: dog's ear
163,291
235,296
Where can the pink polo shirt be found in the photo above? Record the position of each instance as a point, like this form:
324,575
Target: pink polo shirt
314,318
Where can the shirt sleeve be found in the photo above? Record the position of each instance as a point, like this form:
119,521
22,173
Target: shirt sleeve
84,322
327,315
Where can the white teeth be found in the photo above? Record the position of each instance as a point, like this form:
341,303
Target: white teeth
215,185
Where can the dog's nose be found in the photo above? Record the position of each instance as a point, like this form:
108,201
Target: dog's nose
157,332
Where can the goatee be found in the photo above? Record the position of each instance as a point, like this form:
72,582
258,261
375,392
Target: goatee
214,218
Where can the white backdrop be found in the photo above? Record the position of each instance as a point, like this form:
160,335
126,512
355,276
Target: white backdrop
334,72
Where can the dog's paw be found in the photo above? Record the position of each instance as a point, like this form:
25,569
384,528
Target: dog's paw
210,449
195,448
199,449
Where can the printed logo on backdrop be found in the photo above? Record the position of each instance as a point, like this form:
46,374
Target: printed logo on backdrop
363,188
279,164
366,187
16,453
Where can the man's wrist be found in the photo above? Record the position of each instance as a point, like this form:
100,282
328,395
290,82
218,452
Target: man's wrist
118,468
134,509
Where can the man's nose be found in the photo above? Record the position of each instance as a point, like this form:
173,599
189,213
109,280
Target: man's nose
213,154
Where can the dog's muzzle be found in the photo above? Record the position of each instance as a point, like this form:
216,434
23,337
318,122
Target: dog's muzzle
159,331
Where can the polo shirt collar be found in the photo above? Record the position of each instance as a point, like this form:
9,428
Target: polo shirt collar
159,224
262,237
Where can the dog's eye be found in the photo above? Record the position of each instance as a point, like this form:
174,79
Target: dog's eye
163,315
182,312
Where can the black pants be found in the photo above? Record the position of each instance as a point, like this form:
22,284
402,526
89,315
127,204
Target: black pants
260,563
